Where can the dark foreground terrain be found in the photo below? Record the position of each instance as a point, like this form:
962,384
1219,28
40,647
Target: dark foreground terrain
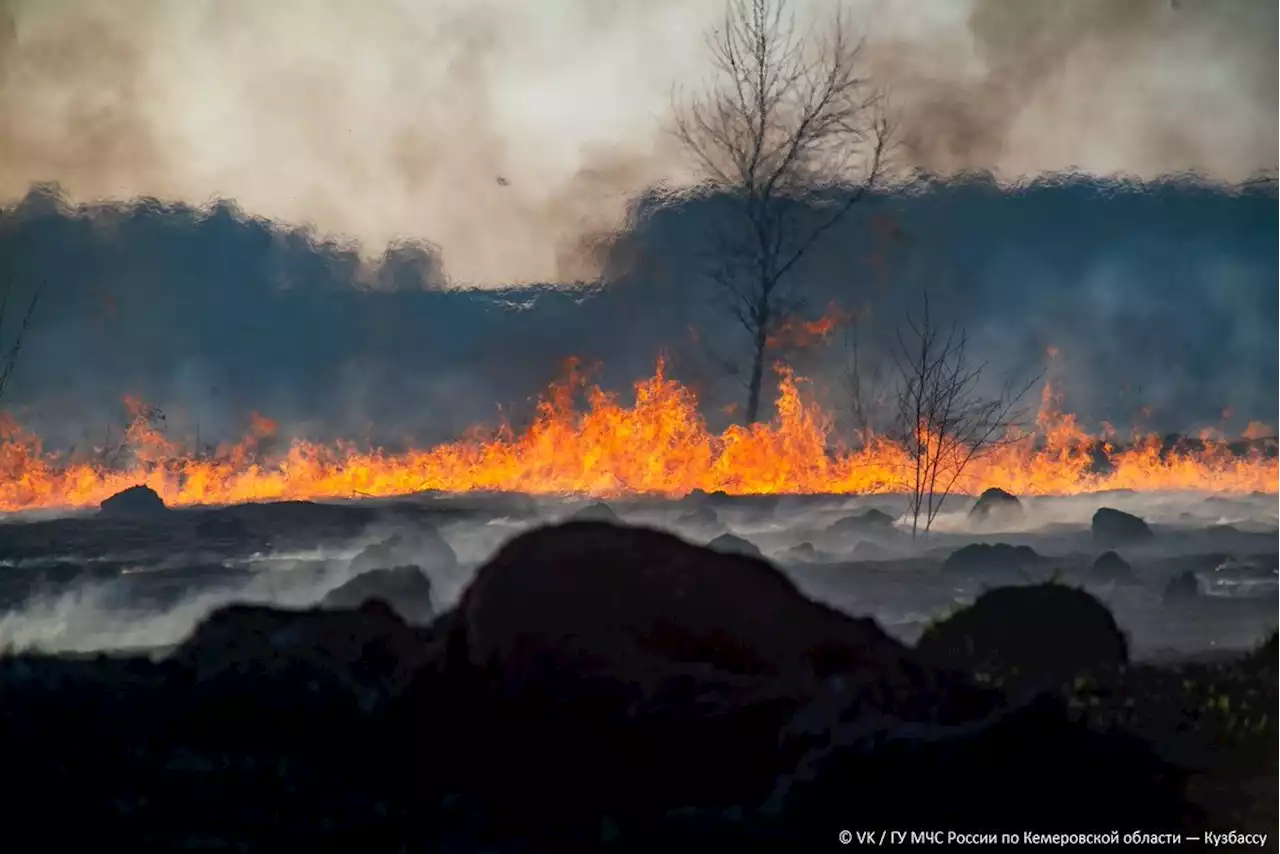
599,686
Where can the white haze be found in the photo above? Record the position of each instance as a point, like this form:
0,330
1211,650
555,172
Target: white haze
396,120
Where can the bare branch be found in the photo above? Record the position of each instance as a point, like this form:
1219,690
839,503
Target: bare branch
795,137
944,421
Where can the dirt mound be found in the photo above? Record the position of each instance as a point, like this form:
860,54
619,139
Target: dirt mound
609,596
870,522
996,506
1110,567
598,512
370,650
1115,528
735,545
136,502
700,517
407,589
1182,587
420,546
998,562
1041,635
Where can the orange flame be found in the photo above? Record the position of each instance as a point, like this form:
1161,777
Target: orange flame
658,445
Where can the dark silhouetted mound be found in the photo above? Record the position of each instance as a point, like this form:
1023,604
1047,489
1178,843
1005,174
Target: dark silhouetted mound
867,550
407,589
996,506
803,552
625,663
733,544
871,521
598,512
136,502
1115,528
700,517
995,561
1109,566
602,598
1073,779
1039,635
1182,587
370,649
420,546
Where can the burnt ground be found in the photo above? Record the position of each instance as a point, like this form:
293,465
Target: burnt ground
387,749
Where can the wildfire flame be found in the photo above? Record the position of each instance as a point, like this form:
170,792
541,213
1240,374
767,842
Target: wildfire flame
658,445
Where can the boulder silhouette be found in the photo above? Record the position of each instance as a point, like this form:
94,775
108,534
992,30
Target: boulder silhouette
604,598
996,506
700,517
597,512
369,651
733,544
1109,567
994,561
1115,528
624,664
407,589
872,521
1038,635
1185,586
136,502
420,546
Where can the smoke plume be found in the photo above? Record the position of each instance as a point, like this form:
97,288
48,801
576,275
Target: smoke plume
510,135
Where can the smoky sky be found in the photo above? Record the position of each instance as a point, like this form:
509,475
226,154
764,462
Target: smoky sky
509,135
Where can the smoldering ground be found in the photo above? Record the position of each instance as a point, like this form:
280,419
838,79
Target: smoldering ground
153,598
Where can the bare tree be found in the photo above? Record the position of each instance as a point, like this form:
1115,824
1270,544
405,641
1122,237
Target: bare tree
794,137
866,386
944,422
11,341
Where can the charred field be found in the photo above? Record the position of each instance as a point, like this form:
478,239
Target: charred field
623,674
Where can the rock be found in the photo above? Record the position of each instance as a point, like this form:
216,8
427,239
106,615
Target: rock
804,552
1182,587
1041,635
419,546
608,596
407,589
625,665
370,651
868,550
701,517
996,506
598,512
1109,567
733,544
997,561
1115,528
136,502
872,521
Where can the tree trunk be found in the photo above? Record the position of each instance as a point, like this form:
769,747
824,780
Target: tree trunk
761,344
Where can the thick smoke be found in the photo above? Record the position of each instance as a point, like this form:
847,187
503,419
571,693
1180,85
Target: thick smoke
1159,296
511,134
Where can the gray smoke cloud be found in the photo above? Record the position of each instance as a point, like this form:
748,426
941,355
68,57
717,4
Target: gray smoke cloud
510,134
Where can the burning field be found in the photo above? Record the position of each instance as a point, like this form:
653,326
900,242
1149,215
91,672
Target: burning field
550,429
659,445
